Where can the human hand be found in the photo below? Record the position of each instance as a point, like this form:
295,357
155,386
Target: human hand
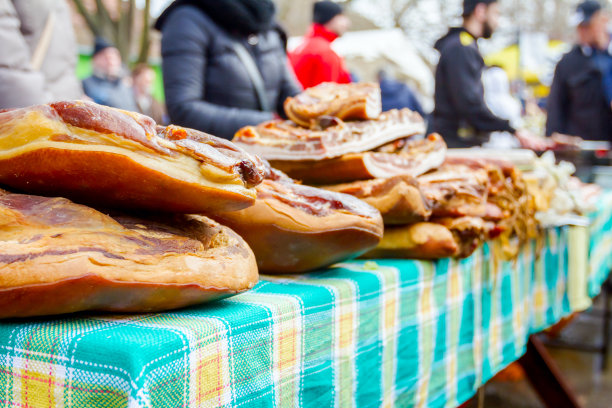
565,142
530,141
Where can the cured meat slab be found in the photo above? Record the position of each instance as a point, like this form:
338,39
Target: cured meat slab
415,158
60,257
104,156
296,228
360,101
330,138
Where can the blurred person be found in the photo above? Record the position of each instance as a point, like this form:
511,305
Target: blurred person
108,84
224,64
502,104
461,114
314,61
577,104
38,57
143,77
607,80
397,95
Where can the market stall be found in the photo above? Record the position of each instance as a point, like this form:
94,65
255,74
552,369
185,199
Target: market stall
365,333
463,257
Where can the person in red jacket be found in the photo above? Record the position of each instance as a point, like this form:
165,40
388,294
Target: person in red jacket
314,61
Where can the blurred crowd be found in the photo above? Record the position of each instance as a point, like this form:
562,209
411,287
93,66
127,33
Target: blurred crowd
225,65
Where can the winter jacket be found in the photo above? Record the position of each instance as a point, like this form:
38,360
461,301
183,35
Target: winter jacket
21,25
577,102
315,62
461,115
207,86
397,95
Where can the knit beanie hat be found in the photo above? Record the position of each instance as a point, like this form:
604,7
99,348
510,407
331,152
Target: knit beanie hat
325,10
470,5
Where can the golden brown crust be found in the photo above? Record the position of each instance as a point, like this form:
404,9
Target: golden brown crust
113,180
509,202
293,228
422,240
343,169
110,157
469,232
398,199
218,152
413,159
90,116
456,191
50,245
360,101
94,293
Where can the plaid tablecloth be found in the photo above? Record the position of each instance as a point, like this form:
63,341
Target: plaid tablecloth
367,334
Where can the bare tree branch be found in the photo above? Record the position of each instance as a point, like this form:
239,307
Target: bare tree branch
120,28
124,26
143,55
103,13
89,20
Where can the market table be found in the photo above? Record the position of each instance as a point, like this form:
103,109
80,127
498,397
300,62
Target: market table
405,333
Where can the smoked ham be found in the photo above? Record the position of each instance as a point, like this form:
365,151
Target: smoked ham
456,191
398,198
359,101
296,228
438,238
329,138
413,159
105,156
423,240
507,196
468,232
60,257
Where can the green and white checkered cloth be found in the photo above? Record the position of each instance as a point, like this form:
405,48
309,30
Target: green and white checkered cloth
367,334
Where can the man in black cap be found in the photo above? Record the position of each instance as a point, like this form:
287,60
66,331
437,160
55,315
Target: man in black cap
107,85
314,61
461,115
577,104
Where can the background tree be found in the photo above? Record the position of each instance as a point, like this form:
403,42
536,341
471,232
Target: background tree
116,21
424,21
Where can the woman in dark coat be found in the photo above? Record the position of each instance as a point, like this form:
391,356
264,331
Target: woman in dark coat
207,85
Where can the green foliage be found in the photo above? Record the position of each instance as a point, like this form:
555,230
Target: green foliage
84,69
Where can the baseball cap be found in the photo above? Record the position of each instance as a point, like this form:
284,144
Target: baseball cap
584,12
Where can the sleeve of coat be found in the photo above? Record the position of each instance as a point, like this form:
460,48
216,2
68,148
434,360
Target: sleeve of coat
465,85
289,87
557,104
20,85
184,50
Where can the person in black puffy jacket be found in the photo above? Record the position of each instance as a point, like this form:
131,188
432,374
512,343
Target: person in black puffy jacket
461,115
206,83
578,104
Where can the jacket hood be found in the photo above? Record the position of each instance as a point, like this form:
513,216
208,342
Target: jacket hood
244,16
